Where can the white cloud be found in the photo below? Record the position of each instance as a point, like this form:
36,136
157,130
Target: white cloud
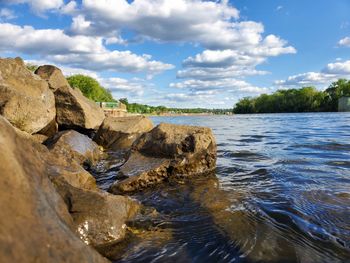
331,73
279,8
121,87
222,85
6,14
67,71
38,6
70,8
76,51
345,42
219,73
338,68
119,61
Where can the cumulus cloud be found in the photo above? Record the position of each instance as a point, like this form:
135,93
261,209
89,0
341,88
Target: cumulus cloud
67,71
345,42
228,63
121,87
219,73
77,51
227,84
331,73
6,14
181,20
38,6
338,68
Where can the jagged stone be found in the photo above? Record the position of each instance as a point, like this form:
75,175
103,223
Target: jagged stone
35,223
117,133
167,151
76,146
74,110
25,99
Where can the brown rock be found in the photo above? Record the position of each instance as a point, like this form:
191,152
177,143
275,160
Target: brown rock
99,217
167,151
119,133
35,223
76,146
74,110
75,175
25,99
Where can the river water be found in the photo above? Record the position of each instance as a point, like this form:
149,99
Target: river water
281,193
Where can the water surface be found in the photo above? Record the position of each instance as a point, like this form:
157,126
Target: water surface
281,193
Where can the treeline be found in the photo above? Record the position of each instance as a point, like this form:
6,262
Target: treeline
307,99
147,109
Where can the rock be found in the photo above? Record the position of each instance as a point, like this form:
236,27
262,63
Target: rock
76,146
74,110
71,171
167,151
117,133
35,223
99,217
25,99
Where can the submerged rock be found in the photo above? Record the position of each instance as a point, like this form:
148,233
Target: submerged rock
167,151
74,145
35,223
25,99
73,109
117,133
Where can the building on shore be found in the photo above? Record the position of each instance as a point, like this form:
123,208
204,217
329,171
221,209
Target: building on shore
113,109
344,104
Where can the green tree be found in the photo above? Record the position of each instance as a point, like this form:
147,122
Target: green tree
90,88
306,99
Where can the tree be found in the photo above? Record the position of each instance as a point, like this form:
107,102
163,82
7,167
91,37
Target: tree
90,88
306,99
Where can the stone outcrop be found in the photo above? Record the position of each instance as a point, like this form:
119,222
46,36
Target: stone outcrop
73,109
167,151
99,217
76,146
35,223
25,99
118,133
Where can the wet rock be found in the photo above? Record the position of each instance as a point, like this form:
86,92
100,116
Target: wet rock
35,223
74,145
167,151
71,171
73,109
25,99
118,133
99,217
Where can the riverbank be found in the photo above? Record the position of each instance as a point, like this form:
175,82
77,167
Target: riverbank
52,137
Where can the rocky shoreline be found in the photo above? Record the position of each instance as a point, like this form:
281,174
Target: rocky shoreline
51,136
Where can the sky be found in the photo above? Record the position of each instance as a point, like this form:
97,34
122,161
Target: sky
184,53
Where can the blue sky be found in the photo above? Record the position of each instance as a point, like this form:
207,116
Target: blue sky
184,53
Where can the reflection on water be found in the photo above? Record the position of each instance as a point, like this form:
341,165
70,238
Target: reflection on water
281,193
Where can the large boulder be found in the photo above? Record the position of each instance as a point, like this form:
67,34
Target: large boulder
76,146
99,217
25,99
118,133
74,110
167,151
35,223
62,167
